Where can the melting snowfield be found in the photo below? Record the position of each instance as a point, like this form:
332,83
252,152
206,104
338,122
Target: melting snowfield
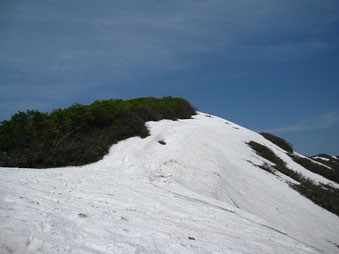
198,192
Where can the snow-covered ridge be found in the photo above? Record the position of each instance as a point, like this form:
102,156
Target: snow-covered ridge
198,193
325,157
321,158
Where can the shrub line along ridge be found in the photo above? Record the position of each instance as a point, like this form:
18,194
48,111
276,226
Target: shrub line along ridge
81,134
323,195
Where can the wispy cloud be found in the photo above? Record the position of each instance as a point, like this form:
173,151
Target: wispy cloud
321,122
130,40
50,50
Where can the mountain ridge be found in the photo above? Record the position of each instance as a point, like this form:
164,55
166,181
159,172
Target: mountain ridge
204,184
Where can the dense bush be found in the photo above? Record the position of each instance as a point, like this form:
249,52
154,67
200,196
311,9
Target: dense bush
280,165
321,194
329,157
266,153
330,174
282,143
333,165
331,162
81,134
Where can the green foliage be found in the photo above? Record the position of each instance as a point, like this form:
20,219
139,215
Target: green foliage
323,195
280,165
331,162
282,143
266,153
81,134
330,174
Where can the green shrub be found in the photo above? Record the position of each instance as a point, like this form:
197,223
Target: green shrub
81,134
330,174
282,143
280,165
331,162
322,195
266,153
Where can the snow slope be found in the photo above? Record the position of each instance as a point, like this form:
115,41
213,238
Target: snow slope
199,193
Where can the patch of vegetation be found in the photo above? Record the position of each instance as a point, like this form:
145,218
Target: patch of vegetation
282,143
329,157
266,153
323,195
280,165
266,167
330,174
81,134
331,162
162,142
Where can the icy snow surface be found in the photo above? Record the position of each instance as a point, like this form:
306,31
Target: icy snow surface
199,193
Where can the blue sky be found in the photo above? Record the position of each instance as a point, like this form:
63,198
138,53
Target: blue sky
267,65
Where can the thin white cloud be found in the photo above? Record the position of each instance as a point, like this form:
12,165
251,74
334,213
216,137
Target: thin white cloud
321,122
134,39
52,49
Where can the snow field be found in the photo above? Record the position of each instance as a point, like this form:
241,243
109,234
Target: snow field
198,193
